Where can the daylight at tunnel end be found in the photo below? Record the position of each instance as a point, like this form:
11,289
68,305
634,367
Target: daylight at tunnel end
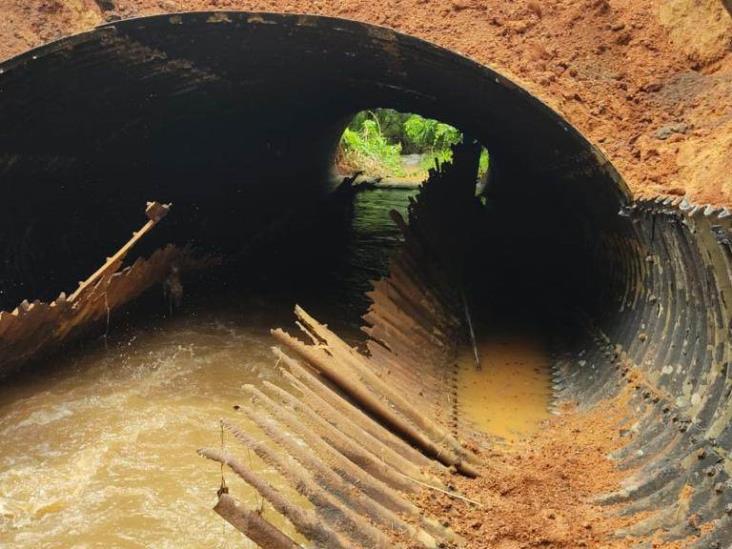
234,119
200,109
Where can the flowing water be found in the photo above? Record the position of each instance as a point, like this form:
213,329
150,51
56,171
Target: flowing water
99,445
100,449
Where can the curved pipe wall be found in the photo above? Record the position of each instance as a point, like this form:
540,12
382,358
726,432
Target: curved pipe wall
667,339
234,118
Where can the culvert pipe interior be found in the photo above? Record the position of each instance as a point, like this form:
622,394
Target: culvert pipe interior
235,118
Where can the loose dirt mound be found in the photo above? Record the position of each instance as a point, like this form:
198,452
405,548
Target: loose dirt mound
649,81
27,24
539,492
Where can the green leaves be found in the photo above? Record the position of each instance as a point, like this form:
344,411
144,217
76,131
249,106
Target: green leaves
430,135
367,149
375,140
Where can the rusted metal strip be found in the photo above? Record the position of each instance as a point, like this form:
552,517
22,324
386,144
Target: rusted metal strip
355,486
334,499
354,414
33,329
340,442
154,212
307,522
375,446
252,524
368,401
340,353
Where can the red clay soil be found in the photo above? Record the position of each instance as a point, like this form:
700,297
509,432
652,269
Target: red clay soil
540,491
648,81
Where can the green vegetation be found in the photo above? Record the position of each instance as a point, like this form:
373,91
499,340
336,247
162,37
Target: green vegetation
483,163
375,141
428,134
365,148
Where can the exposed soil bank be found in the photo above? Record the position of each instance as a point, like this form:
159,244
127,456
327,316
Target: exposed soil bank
649,81
539,491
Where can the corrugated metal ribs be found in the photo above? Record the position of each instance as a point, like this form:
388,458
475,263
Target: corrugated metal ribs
33,328
357,433
673,354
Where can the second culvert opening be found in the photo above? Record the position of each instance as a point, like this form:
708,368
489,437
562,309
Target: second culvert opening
235,117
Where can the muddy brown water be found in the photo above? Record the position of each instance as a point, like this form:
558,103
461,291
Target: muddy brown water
101,451
98,445
509,396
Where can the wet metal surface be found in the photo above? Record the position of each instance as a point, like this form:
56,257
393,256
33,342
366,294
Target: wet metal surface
672,282
99,446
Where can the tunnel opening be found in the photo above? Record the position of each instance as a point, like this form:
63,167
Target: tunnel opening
396,149
235,119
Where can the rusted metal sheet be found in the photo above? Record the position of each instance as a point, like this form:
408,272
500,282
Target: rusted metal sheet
34,328
359,433
310,523
354,376
252,524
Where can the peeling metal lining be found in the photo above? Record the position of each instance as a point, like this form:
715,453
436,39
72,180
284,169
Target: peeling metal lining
358,433
234,117
194,108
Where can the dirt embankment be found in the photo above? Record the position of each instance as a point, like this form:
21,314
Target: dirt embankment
649,81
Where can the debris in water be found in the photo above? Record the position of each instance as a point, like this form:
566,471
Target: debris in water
173,289
365,430
32,329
